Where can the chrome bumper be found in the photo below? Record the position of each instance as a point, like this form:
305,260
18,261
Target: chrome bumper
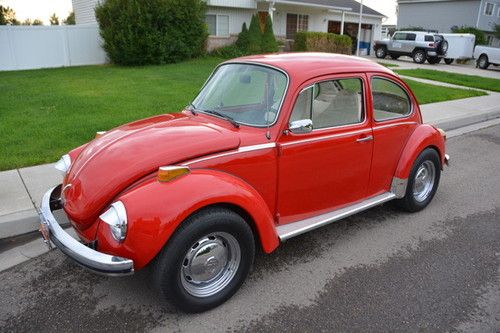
447,159
83,255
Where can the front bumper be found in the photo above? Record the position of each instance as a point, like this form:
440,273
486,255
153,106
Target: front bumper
52,232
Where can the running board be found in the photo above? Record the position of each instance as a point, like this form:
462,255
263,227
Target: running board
290,230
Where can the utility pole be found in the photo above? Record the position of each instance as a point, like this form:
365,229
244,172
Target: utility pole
359,27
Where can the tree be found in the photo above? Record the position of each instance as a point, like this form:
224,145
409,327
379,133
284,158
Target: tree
243,41
37,22
496,30
268,42
54,20
137,32
27,22
70,20
254,36
7,16
480,36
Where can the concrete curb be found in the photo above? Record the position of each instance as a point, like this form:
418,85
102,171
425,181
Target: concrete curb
449,125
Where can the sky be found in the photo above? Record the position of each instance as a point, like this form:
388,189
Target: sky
43,9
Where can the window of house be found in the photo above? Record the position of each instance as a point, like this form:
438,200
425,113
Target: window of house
331,103
218,25
488,9
294,23
489,39
389,100
498,12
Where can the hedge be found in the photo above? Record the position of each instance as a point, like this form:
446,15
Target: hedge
322,42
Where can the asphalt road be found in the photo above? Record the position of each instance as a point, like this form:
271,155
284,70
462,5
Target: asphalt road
382,270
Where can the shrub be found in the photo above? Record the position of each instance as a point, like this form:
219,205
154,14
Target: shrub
243,36
254,36
228,52
268,42
139,32
322,42
480,36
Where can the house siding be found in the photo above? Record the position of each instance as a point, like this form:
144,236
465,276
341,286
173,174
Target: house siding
84,11
486,22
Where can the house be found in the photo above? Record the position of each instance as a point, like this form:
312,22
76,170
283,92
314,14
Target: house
441,15
224,18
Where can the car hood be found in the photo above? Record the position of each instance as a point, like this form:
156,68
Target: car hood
122,156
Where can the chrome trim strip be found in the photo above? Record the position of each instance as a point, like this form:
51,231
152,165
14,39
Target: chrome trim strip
394,124
398,186
243,149
290,230
326,137
83,255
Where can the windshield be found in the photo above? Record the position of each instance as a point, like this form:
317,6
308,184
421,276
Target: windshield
249,94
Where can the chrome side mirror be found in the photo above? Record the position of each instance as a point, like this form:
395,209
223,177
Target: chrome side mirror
301,126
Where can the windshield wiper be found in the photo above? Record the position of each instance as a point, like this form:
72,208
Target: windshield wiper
224,116
192,108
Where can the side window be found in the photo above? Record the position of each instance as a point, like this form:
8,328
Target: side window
411,36
389,100
331,103
338,102
399,36
302,107
428,38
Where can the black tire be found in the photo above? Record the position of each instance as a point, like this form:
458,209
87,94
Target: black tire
482,62
448,61
410,202
169,265
419,56
442,47
393,56
433,60
381,52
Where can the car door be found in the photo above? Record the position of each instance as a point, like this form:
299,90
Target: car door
409,43
398,42
327,165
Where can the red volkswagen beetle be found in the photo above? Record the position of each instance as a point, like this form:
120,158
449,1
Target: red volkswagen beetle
273,146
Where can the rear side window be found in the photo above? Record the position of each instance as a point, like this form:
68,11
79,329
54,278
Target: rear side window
429,38
390,100
411,36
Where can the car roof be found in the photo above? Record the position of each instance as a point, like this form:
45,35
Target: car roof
312,64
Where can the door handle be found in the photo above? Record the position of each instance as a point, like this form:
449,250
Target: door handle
365,138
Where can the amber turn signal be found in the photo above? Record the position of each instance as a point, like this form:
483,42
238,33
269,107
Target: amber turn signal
167,173
99,134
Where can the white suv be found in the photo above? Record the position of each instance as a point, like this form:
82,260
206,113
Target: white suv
419,45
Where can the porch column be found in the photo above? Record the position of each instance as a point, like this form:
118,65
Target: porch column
271,10
342,23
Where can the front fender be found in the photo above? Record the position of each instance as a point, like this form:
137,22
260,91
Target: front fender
423,136
156,209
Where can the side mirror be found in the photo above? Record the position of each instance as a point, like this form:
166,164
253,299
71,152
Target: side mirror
301,126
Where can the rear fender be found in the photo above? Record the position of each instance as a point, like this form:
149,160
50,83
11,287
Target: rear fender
423,136
155,210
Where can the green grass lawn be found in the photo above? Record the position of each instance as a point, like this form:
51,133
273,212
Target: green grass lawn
472,81
45,113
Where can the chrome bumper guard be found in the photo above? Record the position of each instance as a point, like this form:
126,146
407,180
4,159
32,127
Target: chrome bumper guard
52,232
447,159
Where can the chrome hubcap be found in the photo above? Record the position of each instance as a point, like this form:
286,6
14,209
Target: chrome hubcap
210,264
380,52
419,56
482,61
424,181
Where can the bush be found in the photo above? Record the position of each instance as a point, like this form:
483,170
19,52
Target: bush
480,36
322,42
268,42
139,32
243,37
228,52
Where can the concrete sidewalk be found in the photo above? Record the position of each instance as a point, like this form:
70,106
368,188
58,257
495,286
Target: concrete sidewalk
22,189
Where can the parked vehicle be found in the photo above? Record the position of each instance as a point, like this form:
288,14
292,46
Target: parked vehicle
272,147
419,45
486,56
460,47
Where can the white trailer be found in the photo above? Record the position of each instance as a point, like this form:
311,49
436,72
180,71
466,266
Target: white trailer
460,46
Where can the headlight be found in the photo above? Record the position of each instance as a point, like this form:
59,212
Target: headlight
116,218
63,164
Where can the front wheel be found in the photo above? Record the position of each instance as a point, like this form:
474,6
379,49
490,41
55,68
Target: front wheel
419,56
381,52
206,261
422,182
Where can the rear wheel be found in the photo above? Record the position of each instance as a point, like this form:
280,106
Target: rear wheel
482,62
419,56
381,52
448,61
422,182
206,261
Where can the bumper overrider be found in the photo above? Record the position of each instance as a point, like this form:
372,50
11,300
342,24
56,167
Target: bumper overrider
85,256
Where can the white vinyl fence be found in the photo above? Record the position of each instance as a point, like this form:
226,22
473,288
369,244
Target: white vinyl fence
29,47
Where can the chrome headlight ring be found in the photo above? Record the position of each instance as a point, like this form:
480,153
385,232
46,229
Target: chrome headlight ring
63,164
116,218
